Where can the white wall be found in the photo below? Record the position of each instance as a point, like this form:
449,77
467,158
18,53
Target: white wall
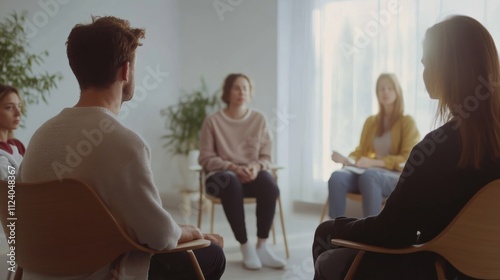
160,49
187,39
242,38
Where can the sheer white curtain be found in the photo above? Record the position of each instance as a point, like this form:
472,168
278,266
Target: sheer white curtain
330,55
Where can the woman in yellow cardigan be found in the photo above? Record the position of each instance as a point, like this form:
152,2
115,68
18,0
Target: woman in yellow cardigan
386,142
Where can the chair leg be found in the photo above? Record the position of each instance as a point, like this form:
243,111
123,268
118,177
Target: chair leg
19,274
196,265
200,206
200,210
440,268
212,219
274,233
354,265
283,228
323,213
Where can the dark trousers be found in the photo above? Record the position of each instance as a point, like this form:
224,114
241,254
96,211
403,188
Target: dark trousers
178,265
332,262
226,186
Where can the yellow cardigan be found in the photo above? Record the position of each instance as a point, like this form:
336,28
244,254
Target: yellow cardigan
404,136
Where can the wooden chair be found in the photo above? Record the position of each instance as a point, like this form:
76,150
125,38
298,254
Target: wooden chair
352,196
471,242
63,228
247,200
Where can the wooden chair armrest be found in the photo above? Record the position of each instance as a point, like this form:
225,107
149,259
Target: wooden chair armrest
376,249
190,245
196,168
276,167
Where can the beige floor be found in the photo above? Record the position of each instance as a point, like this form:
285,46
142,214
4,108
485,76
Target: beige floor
299,226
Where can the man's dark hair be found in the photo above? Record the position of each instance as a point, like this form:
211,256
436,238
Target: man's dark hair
97,50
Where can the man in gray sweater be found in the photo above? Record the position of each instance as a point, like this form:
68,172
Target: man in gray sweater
89,143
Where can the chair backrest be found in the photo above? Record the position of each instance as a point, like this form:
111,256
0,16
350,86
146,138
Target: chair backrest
471,242
62,228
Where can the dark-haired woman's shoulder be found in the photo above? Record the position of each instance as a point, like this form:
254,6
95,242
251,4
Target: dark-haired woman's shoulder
18,144
213,117
443,133
258,114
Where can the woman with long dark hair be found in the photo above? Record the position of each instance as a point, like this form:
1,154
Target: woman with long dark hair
444,170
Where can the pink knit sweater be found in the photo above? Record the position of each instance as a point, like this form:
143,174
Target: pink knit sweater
239,141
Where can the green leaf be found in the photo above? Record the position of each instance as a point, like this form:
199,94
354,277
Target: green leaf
16,63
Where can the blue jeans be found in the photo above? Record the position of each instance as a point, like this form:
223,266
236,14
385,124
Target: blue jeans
374,184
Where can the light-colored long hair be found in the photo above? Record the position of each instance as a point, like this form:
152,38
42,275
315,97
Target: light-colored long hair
4,90
398,110
464,75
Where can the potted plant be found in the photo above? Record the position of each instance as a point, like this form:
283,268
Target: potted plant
16,62
183,123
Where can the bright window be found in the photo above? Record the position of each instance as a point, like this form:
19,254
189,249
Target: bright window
334,52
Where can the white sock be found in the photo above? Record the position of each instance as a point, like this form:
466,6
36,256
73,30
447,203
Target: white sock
268,258
250,258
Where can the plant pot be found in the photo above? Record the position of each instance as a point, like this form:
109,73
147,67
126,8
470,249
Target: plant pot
193,157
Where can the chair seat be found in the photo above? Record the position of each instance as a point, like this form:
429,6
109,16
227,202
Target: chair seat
355,196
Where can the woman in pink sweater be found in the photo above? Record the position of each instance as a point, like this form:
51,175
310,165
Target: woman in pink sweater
235,152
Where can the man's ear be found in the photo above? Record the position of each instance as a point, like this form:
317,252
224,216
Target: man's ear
124,72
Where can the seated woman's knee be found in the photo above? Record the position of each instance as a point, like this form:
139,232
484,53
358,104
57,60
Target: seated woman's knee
268,182
322,238
221,181
369,175
217,253
324,229
337,176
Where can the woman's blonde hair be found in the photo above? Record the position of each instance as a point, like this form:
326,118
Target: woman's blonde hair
398,109
464,74
4,90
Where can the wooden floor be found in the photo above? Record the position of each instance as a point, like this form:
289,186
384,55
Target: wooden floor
299,226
